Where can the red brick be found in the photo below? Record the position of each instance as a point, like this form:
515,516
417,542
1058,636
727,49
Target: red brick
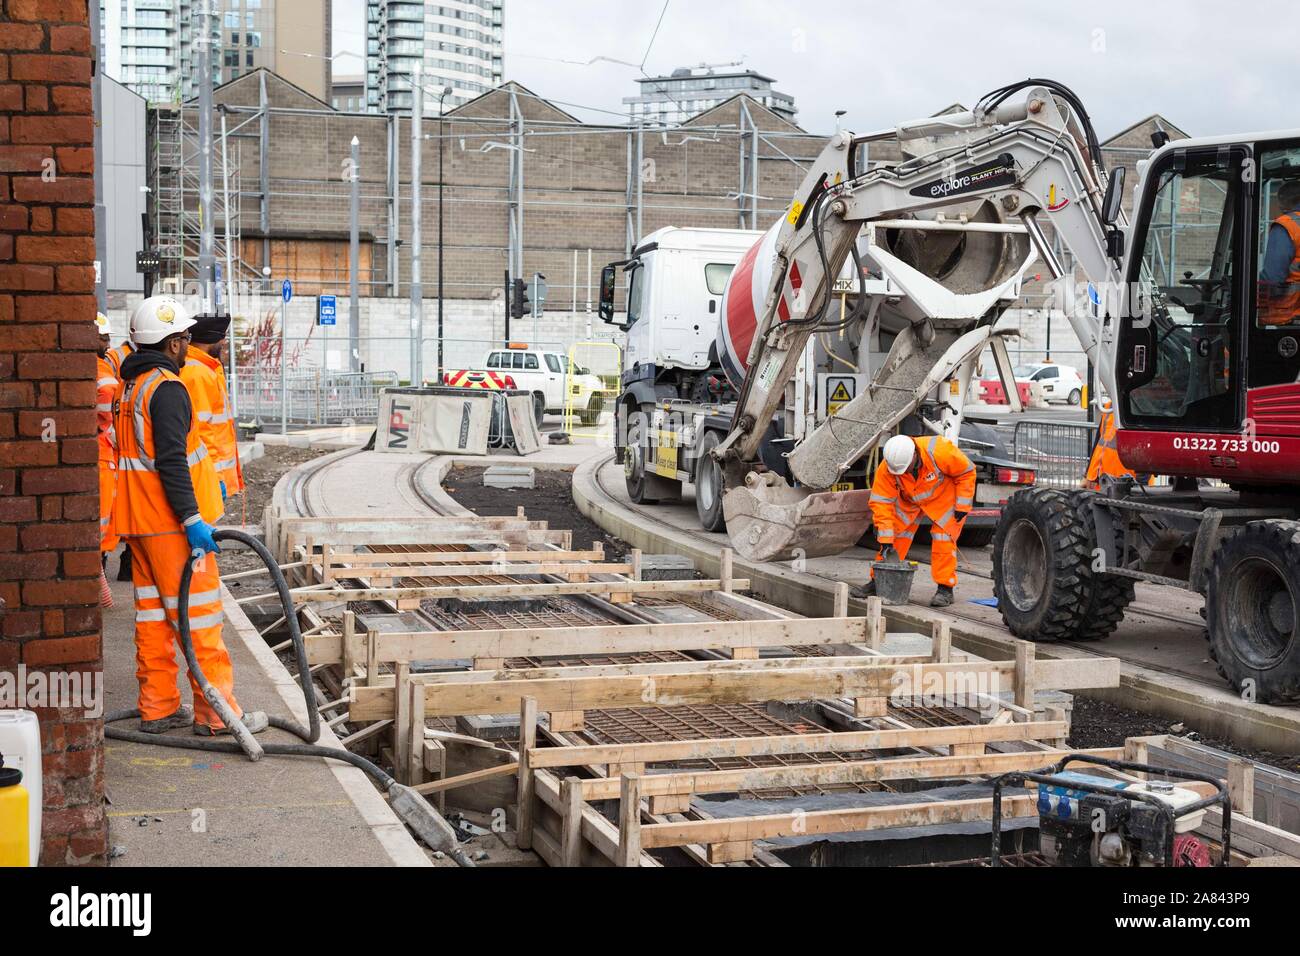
63,423
45,68
16,395
75,222
6,247
51,508
4,66
48,593
81,564
12,217
69,190
70,39
72,99
16,337
90,843
75,249
21,623
21,36
79,159
25,278
52,623
75,279
14,510
26,567
8,539
42,219
9,594
49,11
60,308
82,507
11,98
48,365
10,654
80,620
21,453
44,481
72,819
79,451
38,99
78,336
62,536
54,847
77,394
62,650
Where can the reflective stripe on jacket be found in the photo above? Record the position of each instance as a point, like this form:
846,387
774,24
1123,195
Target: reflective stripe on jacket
1105,454
942,485
106,384
142,507
117,356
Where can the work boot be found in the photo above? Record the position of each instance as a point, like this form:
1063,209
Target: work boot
254,720
124,565
942,597
183,717
864,591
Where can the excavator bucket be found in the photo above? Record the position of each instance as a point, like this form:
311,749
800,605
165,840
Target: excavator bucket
770,521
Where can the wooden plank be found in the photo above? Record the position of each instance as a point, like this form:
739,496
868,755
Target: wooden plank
468,779
856,819
688,686
598,833
415,748
527,741
726,583
567,721
600,639
402,715
465,557
510,591
739,852
1241,786
571,822
941,641
721,748
629,820
1024,675
831,774
338,572
1080,673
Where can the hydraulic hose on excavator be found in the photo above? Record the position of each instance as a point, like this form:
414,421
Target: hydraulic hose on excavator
410,806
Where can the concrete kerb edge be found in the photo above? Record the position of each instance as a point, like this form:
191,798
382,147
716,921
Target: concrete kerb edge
391,833
1220,714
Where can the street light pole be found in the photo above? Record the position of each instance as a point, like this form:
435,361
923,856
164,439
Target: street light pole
354,261
441,180
417,289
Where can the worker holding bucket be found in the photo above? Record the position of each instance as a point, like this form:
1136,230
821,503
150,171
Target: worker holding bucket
929,476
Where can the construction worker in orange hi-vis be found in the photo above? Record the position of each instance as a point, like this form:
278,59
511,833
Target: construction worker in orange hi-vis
115,358
918,476
1105,462
105,392
167,501
205,379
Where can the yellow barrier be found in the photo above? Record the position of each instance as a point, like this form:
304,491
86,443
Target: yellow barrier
589,408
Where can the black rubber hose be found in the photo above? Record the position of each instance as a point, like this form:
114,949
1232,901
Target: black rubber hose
413,809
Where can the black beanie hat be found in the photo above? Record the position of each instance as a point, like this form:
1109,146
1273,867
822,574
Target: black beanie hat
209,329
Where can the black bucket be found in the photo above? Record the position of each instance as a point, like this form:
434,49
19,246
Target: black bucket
894,580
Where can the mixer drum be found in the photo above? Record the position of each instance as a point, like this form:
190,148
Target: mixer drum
963,262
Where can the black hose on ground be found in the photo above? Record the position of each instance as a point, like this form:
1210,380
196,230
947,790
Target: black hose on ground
409,805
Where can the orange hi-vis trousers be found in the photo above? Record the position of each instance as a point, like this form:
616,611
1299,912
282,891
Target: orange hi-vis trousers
156,564
943,551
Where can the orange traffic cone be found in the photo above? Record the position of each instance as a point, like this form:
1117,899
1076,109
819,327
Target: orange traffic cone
105,593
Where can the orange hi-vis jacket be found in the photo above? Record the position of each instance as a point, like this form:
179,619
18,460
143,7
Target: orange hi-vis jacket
106,384
205,380
944,484
1282,306
142,507
117,356
1105,454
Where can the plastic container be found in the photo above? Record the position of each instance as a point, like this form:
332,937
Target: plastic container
15,833
20,744
894,581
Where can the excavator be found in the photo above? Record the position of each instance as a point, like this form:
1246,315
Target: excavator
1199,358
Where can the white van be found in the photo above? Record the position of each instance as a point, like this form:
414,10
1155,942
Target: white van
544,374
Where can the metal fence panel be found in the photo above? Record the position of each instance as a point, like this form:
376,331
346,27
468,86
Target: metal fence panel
1058,451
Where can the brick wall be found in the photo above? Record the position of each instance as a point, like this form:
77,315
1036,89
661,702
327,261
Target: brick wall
49,506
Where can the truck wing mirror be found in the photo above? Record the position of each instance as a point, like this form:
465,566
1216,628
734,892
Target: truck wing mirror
608,279
1114,196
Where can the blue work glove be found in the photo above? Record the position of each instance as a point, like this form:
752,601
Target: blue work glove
199,535
223,491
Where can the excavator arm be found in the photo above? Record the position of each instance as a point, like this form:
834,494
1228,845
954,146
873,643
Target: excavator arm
1031,155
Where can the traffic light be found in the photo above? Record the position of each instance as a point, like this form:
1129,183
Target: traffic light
519,304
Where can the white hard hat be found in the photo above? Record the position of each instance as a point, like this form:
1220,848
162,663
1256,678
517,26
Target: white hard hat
101,323
898,454
156,318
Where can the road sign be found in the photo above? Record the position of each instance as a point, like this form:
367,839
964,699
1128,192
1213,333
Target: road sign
537,289
327,310
286,290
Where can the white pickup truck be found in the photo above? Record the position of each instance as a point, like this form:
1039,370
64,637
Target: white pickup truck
547,375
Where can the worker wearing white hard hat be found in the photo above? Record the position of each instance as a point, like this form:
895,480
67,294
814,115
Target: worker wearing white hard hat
168,499
919,476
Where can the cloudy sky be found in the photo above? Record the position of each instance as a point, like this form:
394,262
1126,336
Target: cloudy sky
1209,67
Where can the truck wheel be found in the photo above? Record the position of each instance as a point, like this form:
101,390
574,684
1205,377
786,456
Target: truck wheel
977,537
1042,562
539,408
709,486
1253,611
1110,594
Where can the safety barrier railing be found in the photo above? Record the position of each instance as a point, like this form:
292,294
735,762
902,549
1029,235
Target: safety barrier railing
1057,451
592,384
312,397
